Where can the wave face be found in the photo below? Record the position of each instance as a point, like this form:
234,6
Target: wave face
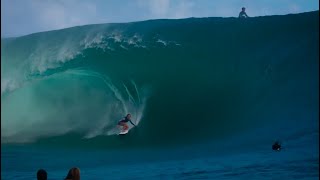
182,80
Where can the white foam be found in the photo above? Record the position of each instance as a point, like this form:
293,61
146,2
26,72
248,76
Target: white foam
162,42
123,47
8,85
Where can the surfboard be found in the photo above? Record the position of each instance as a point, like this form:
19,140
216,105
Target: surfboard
123,132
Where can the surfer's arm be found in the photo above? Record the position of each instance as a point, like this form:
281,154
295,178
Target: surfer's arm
132,122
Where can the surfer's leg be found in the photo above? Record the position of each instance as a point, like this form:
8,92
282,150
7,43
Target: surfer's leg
121,125
125,127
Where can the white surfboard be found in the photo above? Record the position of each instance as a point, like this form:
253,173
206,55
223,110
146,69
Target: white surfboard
123,132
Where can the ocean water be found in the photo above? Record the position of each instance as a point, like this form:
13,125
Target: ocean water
209,97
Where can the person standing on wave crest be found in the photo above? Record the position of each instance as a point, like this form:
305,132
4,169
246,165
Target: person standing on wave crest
123,122
243,13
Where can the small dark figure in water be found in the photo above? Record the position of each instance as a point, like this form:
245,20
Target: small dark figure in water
276,146
243,13
41,174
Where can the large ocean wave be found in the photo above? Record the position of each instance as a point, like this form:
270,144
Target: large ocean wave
186,80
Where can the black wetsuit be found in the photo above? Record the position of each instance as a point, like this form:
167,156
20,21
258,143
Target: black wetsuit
125,120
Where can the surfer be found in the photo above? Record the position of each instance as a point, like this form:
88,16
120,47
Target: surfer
276,146
243,13
123,122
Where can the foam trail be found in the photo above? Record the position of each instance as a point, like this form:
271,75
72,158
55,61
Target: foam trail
118,95
135,86
129,94
107,81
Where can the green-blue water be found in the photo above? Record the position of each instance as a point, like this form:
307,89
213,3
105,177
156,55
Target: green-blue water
209,96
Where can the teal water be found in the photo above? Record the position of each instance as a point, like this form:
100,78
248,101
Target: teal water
209,96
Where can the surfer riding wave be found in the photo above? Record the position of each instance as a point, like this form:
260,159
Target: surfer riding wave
123,122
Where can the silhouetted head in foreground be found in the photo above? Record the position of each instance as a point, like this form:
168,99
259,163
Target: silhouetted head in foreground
41,174
73,174
276,146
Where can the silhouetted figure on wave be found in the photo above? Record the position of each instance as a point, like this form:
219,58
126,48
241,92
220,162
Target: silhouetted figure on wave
243,13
